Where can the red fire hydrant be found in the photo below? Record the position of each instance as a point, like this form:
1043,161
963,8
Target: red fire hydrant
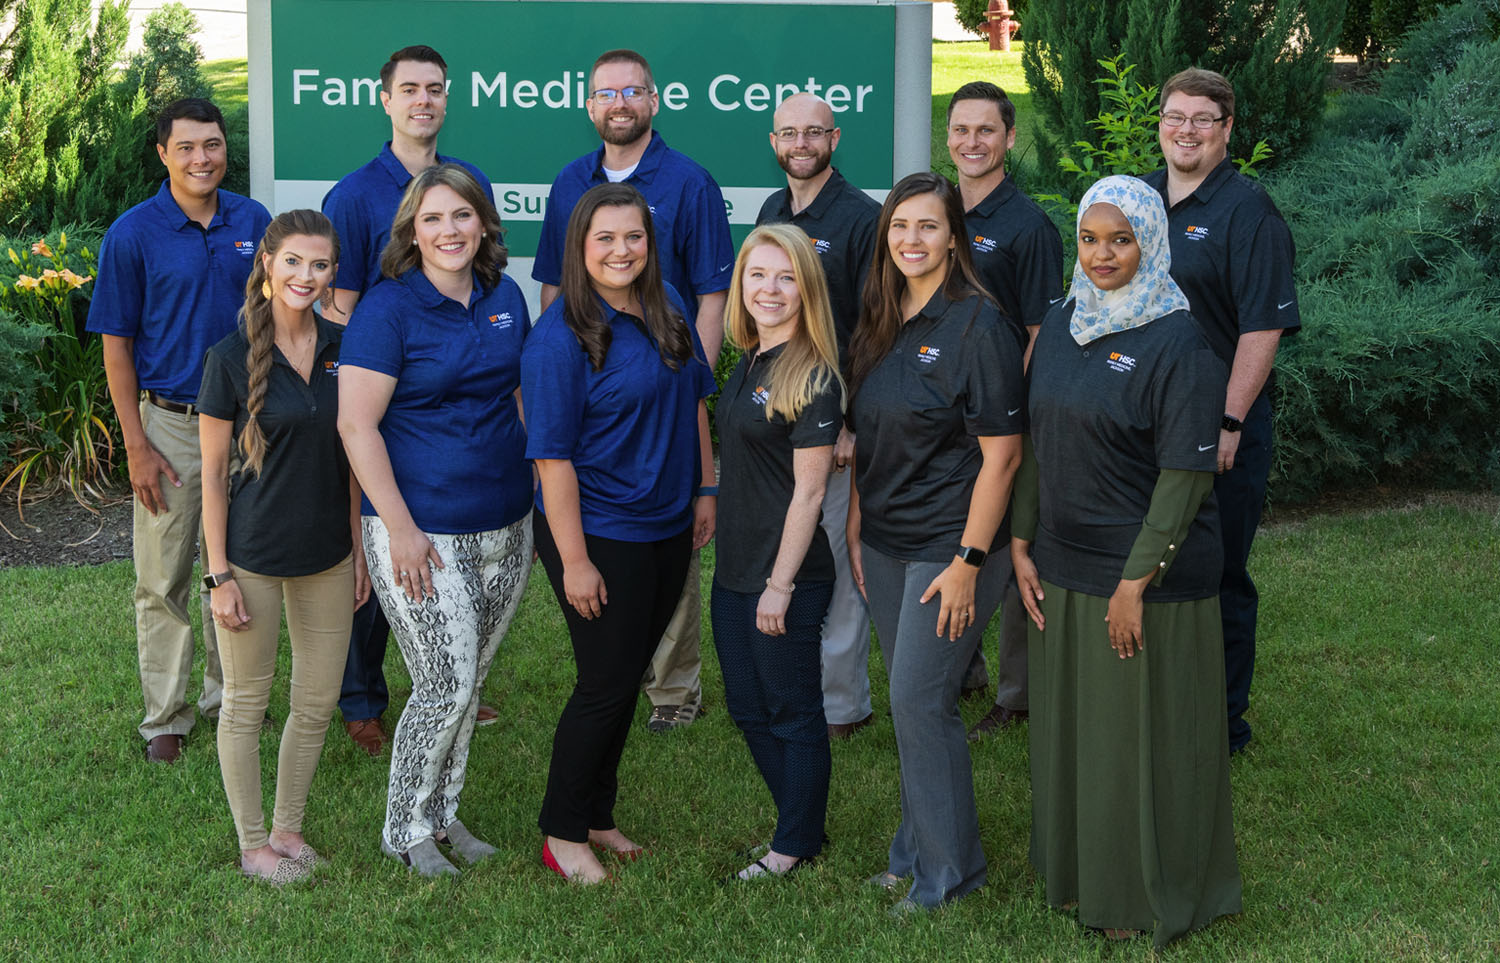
999,24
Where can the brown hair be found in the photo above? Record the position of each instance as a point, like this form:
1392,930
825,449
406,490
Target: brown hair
1197,82
416,53
621,56
984,90
401,253
880,317
581,308
259,327
811,357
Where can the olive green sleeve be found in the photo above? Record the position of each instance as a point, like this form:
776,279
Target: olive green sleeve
1025,498
1174,502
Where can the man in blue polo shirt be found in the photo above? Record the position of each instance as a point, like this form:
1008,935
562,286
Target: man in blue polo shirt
172,274
1232,255
1018,256
414,92
697,258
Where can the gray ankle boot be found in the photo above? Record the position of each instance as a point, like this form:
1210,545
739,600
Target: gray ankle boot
466,845
423,857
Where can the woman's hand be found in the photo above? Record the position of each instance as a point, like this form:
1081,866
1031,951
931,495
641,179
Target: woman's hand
956,586
228,606
1028,581
770,612
705,513
1124,617
584,589
361,577
411,551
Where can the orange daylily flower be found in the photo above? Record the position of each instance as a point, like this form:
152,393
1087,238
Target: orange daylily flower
40,249
74,280
26,282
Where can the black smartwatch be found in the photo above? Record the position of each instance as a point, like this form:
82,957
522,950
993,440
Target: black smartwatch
1231,423
214,581
972,556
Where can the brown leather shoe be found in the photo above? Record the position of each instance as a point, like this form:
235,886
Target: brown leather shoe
166,748
368,735
999,717
488,715
843,730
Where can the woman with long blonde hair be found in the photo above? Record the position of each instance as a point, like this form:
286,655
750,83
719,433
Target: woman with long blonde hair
778,418
279,530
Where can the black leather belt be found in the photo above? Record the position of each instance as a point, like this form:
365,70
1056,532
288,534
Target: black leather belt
176,407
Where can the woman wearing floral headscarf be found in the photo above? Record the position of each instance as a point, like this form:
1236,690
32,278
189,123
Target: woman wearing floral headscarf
1116,546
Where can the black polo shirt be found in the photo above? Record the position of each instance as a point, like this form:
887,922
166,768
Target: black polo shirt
1232,255
1106,418
756,477
841,221
293,518
1018,253
954,375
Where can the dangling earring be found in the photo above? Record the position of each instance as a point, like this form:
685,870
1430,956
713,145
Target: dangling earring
265,289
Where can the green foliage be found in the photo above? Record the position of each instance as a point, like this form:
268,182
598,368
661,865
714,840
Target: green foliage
78,134
1275,54
1395,376
20,376
63,435
1435,45
1373,26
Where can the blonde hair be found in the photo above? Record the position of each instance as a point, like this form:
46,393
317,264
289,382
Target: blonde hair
811,358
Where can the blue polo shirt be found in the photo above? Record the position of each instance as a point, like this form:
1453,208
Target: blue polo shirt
362,206
452,428
630,430
175,287
687,215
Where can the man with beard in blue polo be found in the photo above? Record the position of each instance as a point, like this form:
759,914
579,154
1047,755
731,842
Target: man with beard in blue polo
414,92
697,258
172,274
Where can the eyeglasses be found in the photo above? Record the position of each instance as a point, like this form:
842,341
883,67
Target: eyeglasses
1200,121
790,134
605,96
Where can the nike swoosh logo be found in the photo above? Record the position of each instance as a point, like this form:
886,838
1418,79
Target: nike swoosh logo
725,267
1206,447
1283,307
1055,300
1012,411
824,424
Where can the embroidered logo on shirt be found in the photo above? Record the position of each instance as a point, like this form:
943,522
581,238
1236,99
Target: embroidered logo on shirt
984,245
502,320
927,354
822,247
331,368
760,395
247,248
1197,233
1121,362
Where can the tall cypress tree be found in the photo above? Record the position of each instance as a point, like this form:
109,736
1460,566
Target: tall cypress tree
1275,52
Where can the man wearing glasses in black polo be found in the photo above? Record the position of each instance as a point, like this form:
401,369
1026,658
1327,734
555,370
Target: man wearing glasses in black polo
697,258
1232,256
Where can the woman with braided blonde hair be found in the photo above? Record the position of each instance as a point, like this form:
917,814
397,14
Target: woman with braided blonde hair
279,530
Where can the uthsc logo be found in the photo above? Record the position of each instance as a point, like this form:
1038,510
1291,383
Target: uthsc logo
1196,232
502,320
927,354
1120,362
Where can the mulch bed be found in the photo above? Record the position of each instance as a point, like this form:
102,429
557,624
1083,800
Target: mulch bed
59,531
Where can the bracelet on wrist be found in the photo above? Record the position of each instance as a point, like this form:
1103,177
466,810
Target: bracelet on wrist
708,490
779,590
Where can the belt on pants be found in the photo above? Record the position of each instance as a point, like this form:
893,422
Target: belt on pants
176,407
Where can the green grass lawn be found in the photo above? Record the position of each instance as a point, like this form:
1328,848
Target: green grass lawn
1366,812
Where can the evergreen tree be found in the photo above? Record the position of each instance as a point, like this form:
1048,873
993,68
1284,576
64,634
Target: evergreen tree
1275,52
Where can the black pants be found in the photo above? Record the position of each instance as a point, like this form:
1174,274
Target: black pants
1241,492
643,581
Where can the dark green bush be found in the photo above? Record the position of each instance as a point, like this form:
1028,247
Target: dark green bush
1434,46
1460,112
20,376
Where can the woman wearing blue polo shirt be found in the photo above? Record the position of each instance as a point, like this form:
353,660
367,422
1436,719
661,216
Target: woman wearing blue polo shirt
429,414
278,533
778,418
613,380
938,407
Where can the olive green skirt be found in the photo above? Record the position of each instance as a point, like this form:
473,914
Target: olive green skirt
1130,810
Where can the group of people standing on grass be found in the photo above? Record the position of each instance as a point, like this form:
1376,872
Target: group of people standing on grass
921,428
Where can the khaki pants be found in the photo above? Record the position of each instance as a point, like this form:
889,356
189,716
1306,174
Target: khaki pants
672,679
319,612
164,545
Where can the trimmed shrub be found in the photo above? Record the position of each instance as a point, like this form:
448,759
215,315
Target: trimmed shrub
1460,112
1435,46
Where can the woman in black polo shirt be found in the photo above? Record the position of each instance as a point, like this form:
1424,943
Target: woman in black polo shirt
937,409
279,531
778,418
1117,556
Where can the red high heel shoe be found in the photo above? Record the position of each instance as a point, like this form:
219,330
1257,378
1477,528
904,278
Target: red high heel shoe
550,861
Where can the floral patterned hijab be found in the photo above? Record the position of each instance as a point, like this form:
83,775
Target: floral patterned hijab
1149,295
